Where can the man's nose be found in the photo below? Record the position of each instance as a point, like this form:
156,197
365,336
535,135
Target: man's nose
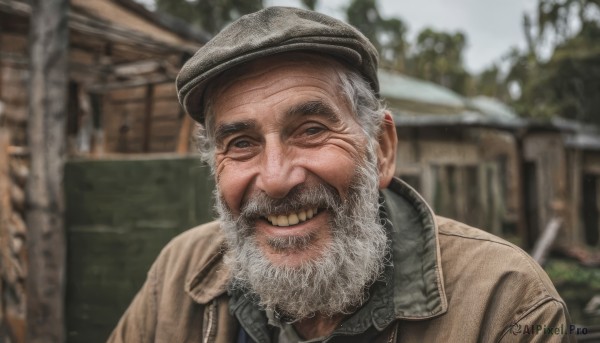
278,172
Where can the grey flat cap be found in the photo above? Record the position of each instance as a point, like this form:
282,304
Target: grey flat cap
267,32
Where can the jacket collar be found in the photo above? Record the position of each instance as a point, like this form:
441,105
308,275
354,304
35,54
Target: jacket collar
416,283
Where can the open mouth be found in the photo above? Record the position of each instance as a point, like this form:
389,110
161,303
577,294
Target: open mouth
292,218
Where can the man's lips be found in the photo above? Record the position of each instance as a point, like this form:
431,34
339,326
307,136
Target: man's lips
293,218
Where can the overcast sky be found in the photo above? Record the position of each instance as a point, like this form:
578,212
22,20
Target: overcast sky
492,26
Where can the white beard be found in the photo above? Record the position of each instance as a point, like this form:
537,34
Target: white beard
337,280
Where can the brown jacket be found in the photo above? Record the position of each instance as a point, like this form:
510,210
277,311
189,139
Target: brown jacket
467,286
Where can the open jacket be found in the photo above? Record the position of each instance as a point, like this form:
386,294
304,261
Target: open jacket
449,283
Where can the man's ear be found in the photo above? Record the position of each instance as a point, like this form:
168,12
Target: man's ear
386,153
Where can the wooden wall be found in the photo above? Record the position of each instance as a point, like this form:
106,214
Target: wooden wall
546,181
142,119
14,169
13,85
583,168
469,174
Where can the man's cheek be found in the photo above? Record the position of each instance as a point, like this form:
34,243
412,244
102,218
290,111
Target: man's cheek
232,188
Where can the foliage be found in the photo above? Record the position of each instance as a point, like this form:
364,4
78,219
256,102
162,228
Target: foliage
567,83
388,35
211,15
489,83
310,4
558,15
438,57
576,284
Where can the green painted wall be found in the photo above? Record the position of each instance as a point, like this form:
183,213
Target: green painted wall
120,213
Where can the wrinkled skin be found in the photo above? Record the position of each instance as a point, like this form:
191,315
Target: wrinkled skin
282,124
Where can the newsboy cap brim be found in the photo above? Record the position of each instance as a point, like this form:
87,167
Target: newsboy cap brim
267,32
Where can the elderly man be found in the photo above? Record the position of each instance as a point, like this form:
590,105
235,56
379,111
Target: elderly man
316,240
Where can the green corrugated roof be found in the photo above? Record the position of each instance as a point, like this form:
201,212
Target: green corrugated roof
401,87
492,107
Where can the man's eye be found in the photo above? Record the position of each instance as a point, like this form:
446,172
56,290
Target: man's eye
241,143
314,130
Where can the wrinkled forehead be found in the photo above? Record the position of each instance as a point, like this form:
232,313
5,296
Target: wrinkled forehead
301,62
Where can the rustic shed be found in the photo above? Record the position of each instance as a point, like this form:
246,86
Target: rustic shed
122,63
475,160
583,186
460,154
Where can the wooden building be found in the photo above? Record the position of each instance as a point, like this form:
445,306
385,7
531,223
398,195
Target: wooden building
460,154
582,153
477,161
122,64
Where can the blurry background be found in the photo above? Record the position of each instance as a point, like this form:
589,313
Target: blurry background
496,106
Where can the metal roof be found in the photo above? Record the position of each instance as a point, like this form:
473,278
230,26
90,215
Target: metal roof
465,118
492,107
401,87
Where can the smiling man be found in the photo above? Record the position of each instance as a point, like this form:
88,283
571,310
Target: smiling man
316,240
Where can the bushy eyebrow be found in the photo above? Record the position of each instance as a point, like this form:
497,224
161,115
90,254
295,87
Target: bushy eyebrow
314,107
228,129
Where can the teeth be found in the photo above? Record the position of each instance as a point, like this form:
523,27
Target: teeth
283,221
293,218
302,215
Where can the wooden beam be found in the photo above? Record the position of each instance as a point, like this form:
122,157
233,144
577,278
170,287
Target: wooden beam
547,238
137,68
185,131
107,87
46,248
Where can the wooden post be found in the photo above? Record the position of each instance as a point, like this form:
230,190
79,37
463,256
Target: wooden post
183,142
48,89
522,227
547,238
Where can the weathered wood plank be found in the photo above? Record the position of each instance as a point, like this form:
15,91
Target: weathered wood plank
127,94
167,108
49,55
185,133
83,56
547,238
14,43
165,90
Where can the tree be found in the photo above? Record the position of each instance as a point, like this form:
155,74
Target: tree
438,57
489,83
388,35
567,84
310,4
211,15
